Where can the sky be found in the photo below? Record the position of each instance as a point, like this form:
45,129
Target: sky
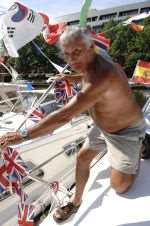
55,8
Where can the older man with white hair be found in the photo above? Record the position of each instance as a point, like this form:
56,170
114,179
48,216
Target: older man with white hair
119,124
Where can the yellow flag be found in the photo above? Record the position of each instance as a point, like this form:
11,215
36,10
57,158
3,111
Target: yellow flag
142,72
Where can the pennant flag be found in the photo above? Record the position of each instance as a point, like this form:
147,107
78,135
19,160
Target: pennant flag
101,40
37,115
17,189
19,26
52,33
64,91
142,72
84,11
45,18
15,166
102,44
12,169
136,27
12,172
4,179
25,214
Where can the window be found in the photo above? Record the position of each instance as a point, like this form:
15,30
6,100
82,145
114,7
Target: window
146,10
74,22
128,12
108,16
92,19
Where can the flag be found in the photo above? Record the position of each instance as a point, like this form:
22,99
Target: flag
20,25
84,11
25,214
45,18
54,186
136,27
64,91
142,72
16,168
52,33
37,115
101,40
4,179
12,171
17,189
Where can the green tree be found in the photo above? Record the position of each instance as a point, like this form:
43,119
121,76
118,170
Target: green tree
127,45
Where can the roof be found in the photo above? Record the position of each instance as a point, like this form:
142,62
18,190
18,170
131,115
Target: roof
102,206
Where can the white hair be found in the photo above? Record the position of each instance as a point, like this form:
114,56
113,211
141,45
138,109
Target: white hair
72,33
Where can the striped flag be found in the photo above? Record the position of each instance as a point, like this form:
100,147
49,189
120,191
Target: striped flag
101,40
52,32
142,72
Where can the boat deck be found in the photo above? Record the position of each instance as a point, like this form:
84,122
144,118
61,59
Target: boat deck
101,206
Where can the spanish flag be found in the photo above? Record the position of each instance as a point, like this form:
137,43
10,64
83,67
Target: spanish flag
142,72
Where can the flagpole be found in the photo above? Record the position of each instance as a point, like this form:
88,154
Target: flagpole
40,100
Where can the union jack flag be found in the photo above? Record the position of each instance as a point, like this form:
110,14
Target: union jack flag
55,186
25,214
15,166
37,115
12,170
17,189
4,179
64,91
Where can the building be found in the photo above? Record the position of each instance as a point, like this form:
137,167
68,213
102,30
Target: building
96,18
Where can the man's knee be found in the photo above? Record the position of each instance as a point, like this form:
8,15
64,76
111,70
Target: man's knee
85,156
121,182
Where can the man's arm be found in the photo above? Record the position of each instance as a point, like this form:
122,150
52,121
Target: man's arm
78,104
71,77
83,101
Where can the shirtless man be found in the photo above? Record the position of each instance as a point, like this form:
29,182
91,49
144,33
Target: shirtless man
117,116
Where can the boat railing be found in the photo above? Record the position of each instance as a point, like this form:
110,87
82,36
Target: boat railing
57,200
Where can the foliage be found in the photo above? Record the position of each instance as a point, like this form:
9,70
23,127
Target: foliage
127,45
31,60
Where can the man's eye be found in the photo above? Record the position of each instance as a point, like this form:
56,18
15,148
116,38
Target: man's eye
77,52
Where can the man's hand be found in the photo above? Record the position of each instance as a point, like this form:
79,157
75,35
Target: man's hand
64,77
61,77
10,138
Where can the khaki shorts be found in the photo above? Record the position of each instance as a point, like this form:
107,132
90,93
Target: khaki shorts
123,146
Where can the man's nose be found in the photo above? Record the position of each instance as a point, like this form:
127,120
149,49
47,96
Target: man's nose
73,57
